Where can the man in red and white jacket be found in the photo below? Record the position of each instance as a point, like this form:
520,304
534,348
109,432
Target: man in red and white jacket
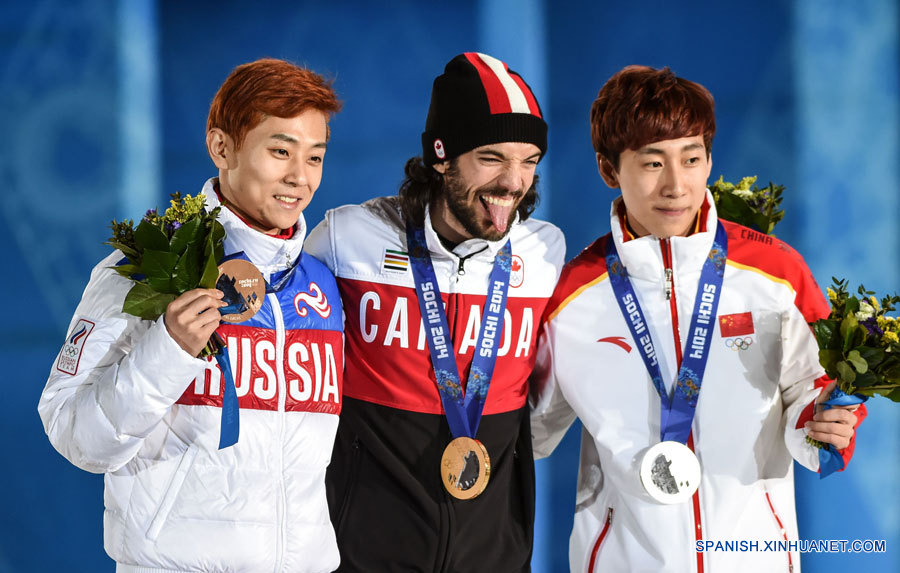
757,400
471,191
130,399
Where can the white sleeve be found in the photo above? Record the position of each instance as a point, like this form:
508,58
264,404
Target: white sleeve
114,379
799,370
551,414
320,242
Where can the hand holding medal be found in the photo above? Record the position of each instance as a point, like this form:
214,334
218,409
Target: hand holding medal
170,255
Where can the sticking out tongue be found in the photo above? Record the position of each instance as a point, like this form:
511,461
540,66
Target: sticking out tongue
499,215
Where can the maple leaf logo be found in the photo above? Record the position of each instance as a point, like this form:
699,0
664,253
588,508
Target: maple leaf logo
516,267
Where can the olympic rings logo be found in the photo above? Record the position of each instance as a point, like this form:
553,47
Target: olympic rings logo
739,343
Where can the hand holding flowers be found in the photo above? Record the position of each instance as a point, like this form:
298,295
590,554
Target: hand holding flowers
168,255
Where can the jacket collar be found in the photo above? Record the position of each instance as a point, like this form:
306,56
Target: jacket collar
269,254
466,248
643,257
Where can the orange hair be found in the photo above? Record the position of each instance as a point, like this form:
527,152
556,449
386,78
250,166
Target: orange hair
268,87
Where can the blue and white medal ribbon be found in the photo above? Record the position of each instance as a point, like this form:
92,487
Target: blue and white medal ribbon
465,465
830,459
676,413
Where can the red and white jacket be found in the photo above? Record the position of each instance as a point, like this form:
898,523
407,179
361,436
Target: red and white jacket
124,399
388,505
761,381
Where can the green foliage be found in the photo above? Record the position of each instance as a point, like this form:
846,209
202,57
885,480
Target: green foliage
858,342
747,204
168,255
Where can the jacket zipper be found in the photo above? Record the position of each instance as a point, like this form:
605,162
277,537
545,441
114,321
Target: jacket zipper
669,288
600,538
782,529
282,397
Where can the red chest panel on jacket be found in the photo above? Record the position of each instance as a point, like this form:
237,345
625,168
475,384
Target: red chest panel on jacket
388,362
312,365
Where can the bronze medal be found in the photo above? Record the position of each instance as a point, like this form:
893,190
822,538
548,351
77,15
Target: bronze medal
244,289
465,468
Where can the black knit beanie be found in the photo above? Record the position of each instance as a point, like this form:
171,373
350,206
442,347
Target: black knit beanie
478,101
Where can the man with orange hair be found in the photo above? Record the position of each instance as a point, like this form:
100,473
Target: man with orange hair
682,343
133,401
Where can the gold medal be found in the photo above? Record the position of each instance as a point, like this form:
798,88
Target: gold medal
244,289
465,468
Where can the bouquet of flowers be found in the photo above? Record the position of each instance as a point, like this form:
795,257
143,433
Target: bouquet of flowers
169,254
858,341
747,204
859,344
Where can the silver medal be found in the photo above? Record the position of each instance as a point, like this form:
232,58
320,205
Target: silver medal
670,472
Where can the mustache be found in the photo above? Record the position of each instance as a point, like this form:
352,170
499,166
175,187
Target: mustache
495,191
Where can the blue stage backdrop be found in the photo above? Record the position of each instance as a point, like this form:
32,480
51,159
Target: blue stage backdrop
104,103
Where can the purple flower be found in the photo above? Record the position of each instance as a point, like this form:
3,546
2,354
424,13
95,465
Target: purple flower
172,227
871,325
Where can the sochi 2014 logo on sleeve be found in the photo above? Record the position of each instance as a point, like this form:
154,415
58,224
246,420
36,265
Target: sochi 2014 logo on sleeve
70,355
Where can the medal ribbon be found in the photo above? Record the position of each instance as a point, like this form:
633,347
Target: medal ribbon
677,413
229,430
830,459
463,412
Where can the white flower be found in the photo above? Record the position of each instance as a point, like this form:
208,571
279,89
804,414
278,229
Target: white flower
742,193
866,311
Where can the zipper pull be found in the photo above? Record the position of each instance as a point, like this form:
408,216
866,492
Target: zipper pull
668,284
461,270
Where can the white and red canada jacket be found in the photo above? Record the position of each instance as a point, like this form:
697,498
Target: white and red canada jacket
760,384
124,399
384,482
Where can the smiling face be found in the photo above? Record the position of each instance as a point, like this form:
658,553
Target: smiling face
663,184
482,191
273,176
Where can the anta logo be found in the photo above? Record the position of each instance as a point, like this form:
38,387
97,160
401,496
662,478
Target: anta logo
618,341
395,322
309,373
314,299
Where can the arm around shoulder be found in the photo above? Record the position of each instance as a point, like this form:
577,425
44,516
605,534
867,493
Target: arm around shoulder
551,414
320,242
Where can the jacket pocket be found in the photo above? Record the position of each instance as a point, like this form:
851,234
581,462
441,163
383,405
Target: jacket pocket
349,483
781,528
604,531
172,490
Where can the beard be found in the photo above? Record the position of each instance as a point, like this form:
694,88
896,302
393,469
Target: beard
470,212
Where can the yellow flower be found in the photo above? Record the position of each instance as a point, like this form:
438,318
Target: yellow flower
832,296
875,303
890,338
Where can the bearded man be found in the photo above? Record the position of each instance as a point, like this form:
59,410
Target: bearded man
443,289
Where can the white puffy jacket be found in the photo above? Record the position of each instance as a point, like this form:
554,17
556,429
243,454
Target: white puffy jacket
125,400
757,393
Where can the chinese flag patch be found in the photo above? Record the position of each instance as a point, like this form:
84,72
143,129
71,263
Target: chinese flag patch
736,324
